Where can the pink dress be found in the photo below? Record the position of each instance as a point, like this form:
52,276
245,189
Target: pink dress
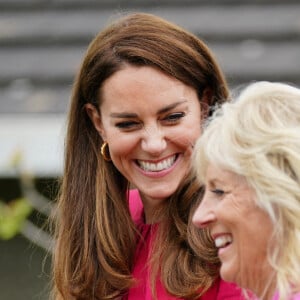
293,297
142,291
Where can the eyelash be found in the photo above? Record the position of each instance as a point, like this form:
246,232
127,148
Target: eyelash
174,117
127,124
218,192
170,119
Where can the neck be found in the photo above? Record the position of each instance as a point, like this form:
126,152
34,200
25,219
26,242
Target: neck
265,289
153,209
260,279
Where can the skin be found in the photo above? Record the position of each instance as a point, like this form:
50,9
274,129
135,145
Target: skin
151,122
243,229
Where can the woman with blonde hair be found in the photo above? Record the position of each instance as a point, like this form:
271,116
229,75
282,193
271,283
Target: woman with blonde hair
123,222
248,158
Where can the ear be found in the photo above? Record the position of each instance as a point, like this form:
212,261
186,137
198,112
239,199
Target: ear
95,117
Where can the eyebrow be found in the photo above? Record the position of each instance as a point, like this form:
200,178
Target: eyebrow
215,180
161,111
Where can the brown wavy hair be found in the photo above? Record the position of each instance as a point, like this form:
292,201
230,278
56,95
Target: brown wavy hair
95,235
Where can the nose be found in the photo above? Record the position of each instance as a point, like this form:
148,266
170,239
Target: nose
204,214
154,140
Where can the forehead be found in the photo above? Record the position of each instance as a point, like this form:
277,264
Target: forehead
140,85
218,175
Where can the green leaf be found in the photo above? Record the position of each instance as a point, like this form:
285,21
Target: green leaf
12,216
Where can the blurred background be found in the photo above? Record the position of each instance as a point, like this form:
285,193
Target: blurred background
42,43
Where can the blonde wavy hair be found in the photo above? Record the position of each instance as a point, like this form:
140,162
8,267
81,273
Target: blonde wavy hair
258,136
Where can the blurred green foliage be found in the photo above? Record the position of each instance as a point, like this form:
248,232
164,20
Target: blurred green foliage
12,217
21,214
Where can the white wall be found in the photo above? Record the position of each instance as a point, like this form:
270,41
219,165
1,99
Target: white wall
38,137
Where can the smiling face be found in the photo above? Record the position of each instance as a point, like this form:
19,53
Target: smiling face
241,230
150,121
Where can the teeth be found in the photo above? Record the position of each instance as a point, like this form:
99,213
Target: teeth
156,167
223,241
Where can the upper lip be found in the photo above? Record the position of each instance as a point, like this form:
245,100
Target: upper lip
155,161
216,235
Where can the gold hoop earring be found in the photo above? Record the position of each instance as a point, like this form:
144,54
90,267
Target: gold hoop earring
105,151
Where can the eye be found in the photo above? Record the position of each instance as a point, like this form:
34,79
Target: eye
174,117
218,192
128,125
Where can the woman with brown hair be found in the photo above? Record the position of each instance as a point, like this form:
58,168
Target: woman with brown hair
123,225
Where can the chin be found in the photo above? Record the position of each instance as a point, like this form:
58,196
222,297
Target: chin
159,194
229,275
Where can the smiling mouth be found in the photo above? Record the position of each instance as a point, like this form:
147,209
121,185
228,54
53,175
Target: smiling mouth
223,241
158,166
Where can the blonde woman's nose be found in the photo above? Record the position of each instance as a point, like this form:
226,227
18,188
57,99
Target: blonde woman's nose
204,214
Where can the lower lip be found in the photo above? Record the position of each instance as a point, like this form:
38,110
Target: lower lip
162,173
222,251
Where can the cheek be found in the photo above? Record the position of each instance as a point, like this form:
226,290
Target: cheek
194,131
185,136
119,145
122,145
256,231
